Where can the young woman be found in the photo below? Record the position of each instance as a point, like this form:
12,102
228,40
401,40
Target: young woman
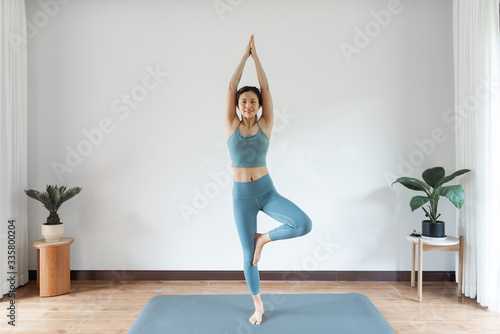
253,189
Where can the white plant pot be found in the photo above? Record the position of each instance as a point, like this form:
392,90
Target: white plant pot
52,233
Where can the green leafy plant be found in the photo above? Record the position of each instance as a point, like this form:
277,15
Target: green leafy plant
432,186
52,200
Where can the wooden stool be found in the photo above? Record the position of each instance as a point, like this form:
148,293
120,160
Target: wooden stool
448,244
52,269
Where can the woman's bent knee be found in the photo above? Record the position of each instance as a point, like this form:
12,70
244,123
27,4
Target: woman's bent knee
306,226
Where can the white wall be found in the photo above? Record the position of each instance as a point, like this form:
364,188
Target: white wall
346,126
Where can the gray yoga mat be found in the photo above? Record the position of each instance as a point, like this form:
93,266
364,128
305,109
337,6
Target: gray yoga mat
284,313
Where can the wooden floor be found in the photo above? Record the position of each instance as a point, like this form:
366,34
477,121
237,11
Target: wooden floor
102,307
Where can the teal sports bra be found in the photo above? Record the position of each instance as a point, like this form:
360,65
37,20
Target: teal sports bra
248,151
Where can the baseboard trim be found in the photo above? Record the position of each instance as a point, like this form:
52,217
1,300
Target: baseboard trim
209,275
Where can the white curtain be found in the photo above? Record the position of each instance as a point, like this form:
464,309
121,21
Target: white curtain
13,146
477,120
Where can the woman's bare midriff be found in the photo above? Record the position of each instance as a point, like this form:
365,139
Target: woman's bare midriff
248,174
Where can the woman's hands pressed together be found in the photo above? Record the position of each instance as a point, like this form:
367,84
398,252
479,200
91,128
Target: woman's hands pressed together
253,51
250,49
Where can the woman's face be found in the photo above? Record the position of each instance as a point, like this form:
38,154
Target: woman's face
248,104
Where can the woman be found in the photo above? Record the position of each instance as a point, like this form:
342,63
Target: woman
253,189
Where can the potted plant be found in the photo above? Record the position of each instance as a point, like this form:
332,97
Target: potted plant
432,186
52,200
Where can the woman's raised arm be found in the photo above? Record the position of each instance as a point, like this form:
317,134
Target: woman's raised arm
267,101
233,88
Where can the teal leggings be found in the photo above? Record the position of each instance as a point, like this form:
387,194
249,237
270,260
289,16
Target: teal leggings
260,195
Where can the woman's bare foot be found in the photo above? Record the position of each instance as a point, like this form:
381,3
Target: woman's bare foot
260,241
256,318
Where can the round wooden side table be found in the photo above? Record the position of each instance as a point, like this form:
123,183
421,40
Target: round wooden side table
426,244
53,266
